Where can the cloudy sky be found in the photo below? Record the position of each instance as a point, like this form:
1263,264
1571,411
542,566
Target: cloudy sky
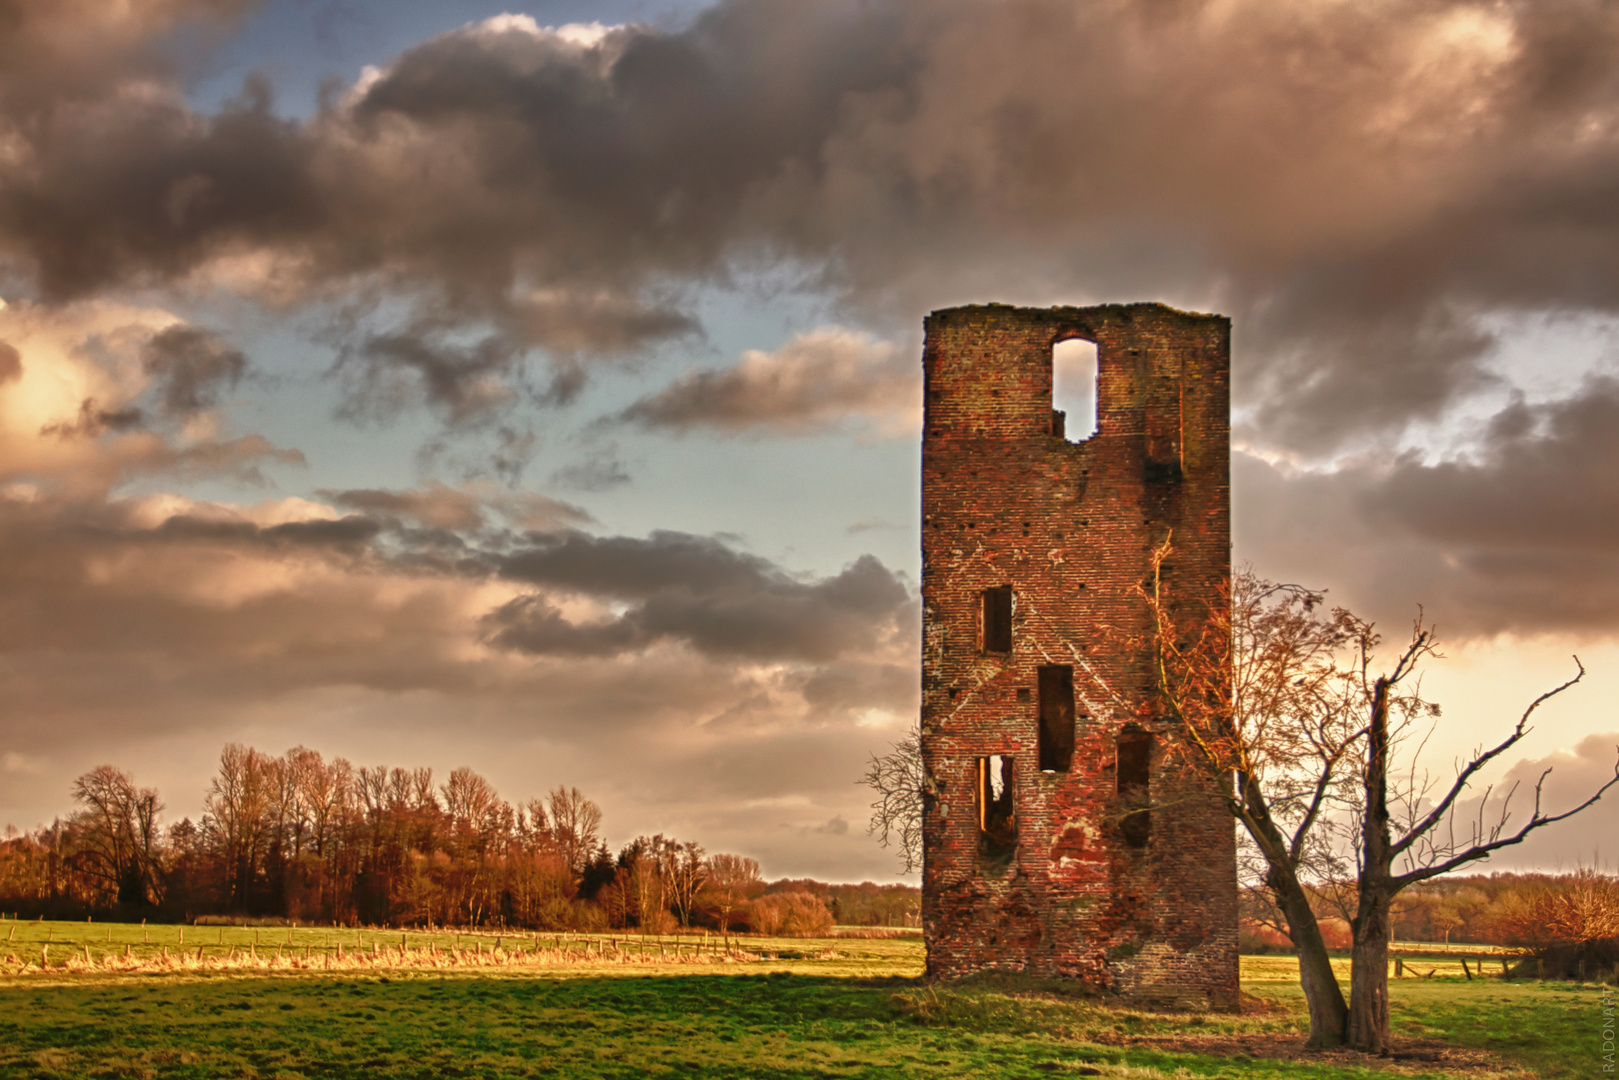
534,386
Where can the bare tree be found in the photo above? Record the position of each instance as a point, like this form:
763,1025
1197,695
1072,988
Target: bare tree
535,823
576,825
1301,743
688,870
645,865
1580,908
1423,837
298,765
1264,708
117,834
896,815
474,807
321,793
729,879
236,805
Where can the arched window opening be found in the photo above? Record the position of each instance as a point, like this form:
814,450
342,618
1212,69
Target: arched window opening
1073,389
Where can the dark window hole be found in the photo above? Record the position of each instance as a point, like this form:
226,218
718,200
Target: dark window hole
1056,717
1134,776
997,815
997,619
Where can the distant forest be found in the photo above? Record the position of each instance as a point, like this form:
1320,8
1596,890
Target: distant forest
299,838
1523,910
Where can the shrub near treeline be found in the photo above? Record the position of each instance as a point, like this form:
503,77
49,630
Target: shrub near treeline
306,840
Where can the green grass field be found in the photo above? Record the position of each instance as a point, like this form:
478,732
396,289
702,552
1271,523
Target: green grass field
786,1008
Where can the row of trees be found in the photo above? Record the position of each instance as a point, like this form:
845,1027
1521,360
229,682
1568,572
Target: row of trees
311,840
1519,910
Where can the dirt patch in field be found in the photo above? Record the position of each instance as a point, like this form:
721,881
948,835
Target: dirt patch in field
1408,1055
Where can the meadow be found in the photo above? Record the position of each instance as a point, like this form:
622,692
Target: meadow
266,1004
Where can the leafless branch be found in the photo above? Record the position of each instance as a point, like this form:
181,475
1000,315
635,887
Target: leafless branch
1536,821
1442,807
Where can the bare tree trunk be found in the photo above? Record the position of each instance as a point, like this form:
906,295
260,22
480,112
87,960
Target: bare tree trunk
1322,995
1369,975
1369,966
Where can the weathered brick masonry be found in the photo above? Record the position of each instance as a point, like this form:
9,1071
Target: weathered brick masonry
1063,835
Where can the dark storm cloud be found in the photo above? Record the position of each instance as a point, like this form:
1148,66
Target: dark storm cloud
632,568
114,179
438,507
697,590
463,383
10,363
1353,183
134,188
1521,534
1543,477
351,535
1356,185
191,366
93,420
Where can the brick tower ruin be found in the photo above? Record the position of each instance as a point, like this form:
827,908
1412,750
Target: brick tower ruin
1062,835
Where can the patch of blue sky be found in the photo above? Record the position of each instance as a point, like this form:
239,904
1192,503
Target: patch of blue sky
799,499
292,398
812,502
301,44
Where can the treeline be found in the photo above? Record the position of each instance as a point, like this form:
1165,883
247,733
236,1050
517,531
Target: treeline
312,841
1522,910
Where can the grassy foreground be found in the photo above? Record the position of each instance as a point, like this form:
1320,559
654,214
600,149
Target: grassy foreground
843,1008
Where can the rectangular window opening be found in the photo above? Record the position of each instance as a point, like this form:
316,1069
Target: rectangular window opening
1134,776
997,815
997,619
1056,717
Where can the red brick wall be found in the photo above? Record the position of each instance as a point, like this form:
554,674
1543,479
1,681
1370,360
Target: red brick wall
1070,527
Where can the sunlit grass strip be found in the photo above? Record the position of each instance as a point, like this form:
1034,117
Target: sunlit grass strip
281,958
39,946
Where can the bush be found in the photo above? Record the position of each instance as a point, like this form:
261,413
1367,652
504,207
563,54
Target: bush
791,914
658,922
1568,910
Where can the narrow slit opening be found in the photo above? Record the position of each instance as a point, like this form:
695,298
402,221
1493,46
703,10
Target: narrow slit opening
997,619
